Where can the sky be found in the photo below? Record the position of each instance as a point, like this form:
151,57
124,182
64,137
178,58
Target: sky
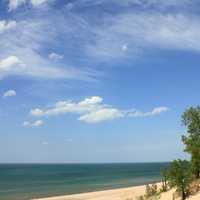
96,80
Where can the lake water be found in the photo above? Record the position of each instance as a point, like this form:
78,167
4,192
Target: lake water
26,181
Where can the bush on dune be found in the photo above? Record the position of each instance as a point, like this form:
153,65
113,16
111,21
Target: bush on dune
151,193
165,176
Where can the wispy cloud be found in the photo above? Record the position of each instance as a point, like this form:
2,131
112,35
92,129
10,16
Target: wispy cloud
143,31
93,110
162,4
12,65
14,4
9,93
55,56
7,25
37,3
123,35
144,3
102,114
20,52
155,111
36,123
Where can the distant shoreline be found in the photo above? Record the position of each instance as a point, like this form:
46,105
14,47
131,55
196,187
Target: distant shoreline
83,163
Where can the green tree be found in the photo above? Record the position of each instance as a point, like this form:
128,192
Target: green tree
191,119
180,176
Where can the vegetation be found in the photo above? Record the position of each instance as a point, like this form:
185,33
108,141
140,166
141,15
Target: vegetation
180,177
151,190
191,119
165,176
151,193
184,175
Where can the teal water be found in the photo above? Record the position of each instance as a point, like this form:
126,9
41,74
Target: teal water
26,181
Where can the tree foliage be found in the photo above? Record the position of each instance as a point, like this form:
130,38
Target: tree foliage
179,176
191,119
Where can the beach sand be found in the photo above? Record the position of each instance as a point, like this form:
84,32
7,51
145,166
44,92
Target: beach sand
130,193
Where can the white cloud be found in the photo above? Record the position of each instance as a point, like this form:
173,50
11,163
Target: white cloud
100,115
143,32
161,3
62,107
144,3
159,110
37,112
33,124
10,93
92,110
91,101
14,4
12,65
55,56
37,3
7,25
34,65
21,50
120,35
155,111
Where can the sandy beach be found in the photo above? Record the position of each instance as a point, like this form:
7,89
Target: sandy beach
130,193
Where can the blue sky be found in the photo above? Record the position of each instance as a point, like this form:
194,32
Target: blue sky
96,80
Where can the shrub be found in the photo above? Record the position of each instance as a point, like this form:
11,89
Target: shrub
151,190
194,187
165,176
140,198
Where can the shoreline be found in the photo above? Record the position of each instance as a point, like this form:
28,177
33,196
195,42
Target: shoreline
125,193
128,193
